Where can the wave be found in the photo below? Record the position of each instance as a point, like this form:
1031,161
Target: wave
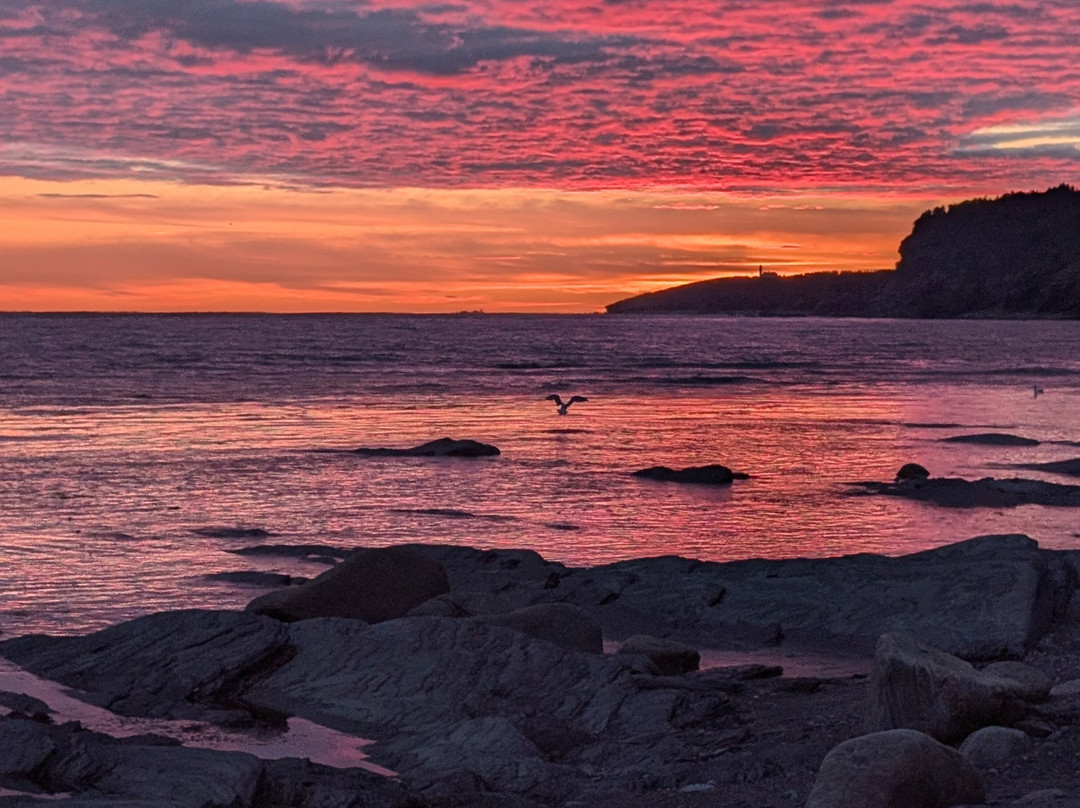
696,380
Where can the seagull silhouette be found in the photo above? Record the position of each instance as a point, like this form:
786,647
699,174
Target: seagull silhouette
1038,390
559,402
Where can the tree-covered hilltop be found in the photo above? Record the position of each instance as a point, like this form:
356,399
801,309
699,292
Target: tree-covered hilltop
1014,256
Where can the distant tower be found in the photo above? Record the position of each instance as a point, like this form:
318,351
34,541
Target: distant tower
761,271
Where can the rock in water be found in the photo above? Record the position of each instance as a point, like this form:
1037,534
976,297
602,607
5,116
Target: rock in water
919,687
372,585
912,471
900,768
992,439
705,475
443,447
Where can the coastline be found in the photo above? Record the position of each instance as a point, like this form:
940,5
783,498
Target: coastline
472,710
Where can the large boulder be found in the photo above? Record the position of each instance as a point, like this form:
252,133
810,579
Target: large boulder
371,585
564,624
900,768
919,687
167,665
992,746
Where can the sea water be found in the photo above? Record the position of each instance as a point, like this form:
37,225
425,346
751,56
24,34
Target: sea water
127,442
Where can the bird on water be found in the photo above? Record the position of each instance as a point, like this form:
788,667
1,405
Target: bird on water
1038,390
559,402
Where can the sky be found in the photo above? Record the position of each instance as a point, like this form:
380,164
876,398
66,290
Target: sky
403,155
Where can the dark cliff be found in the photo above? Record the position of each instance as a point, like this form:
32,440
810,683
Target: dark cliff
1014,256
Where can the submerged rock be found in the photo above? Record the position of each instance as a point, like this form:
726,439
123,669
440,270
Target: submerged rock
900,768
255,578
954,492
992,439
233,533
372,585
1070,468
443,447
705,475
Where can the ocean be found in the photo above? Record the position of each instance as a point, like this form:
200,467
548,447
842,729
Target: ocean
131,444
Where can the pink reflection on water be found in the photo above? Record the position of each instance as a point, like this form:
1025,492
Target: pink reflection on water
100,505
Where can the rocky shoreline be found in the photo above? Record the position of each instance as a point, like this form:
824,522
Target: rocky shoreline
482,677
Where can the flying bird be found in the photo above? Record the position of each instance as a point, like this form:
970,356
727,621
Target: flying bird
559,402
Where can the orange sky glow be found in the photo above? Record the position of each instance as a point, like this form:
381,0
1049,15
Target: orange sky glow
398,155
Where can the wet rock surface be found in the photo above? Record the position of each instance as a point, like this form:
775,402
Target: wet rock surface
474,711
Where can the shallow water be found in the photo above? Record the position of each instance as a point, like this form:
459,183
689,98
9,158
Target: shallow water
122,436
300,738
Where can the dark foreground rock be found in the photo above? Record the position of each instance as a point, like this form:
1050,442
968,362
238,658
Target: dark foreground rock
92,769
443,447
918,687
702,475
372,585
901,768
954,492
474,710
984,598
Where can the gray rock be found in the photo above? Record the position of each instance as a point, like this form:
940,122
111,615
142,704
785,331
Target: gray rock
371,585
702,475
1031,683
900,768
984,598
161,665
24,745
919,687
180,776
416,682
564,624
1047,798
671,658
993,746
22,703
443,447
1066,689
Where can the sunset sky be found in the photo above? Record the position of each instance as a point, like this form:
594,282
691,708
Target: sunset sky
400,155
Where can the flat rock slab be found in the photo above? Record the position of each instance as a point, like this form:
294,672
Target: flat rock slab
983,598
954,492
168,665
443,447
